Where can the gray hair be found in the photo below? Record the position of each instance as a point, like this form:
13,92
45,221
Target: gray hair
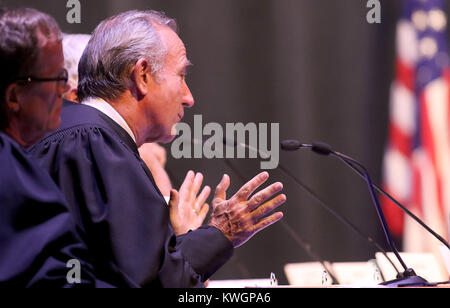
73,47
23,32
116,45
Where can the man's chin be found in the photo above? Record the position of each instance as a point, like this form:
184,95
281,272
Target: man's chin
165,136
170,136
167,139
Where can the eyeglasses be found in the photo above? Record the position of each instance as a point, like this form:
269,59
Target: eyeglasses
63,76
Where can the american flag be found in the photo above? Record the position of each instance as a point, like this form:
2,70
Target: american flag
417,159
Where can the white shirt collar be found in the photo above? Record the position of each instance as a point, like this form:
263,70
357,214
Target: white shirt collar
107,109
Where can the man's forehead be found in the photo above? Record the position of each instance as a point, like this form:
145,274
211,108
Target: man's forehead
51,57
182,54
185,62
176,47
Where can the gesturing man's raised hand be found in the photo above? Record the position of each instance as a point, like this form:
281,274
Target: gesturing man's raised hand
239,218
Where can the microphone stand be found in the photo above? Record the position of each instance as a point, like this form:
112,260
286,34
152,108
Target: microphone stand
325,149
408,277
408,212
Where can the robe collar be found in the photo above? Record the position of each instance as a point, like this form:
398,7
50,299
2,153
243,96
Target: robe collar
104,107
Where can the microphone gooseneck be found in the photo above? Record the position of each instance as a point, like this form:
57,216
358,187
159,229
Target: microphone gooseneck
375,186
408,277
325,149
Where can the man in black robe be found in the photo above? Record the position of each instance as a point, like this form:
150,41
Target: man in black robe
39,241
133,91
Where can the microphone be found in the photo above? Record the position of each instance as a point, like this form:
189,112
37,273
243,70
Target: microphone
408,277
318,147
325,149
293,145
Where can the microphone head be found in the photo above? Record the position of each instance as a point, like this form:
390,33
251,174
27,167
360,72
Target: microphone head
291,145
321,148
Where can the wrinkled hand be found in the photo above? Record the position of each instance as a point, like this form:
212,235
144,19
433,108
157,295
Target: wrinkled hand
187,211
238,218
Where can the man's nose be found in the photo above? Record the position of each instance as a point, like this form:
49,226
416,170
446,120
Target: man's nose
188,99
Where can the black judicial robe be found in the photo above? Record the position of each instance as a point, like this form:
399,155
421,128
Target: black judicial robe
38,235
116,202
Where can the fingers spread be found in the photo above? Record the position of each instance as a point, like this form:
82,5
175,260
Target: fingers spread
197,183
187,183
221,189
267,221
250,187
269,206
264,195
203,211
202,197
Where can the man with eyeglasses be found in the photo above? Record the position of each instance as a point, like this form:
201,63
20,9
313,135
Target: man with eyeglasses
34,120
38,237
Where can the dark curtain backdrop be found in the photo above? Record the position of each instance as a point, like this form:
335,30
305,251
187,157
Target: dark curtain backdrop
314,66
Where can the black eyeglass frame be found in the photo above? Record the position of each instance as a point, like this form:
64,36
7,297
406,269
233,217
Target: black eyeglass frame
30,79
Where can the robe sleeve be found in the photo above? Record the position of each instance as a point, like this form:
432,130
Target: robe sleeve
126,219
38,236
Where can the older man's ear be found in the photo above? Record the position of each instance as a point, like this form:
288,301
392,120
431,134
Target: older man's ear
11,97
141,75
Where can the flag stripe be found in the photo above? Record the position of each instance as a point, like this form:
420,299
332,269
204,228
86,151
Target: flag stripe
419,138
